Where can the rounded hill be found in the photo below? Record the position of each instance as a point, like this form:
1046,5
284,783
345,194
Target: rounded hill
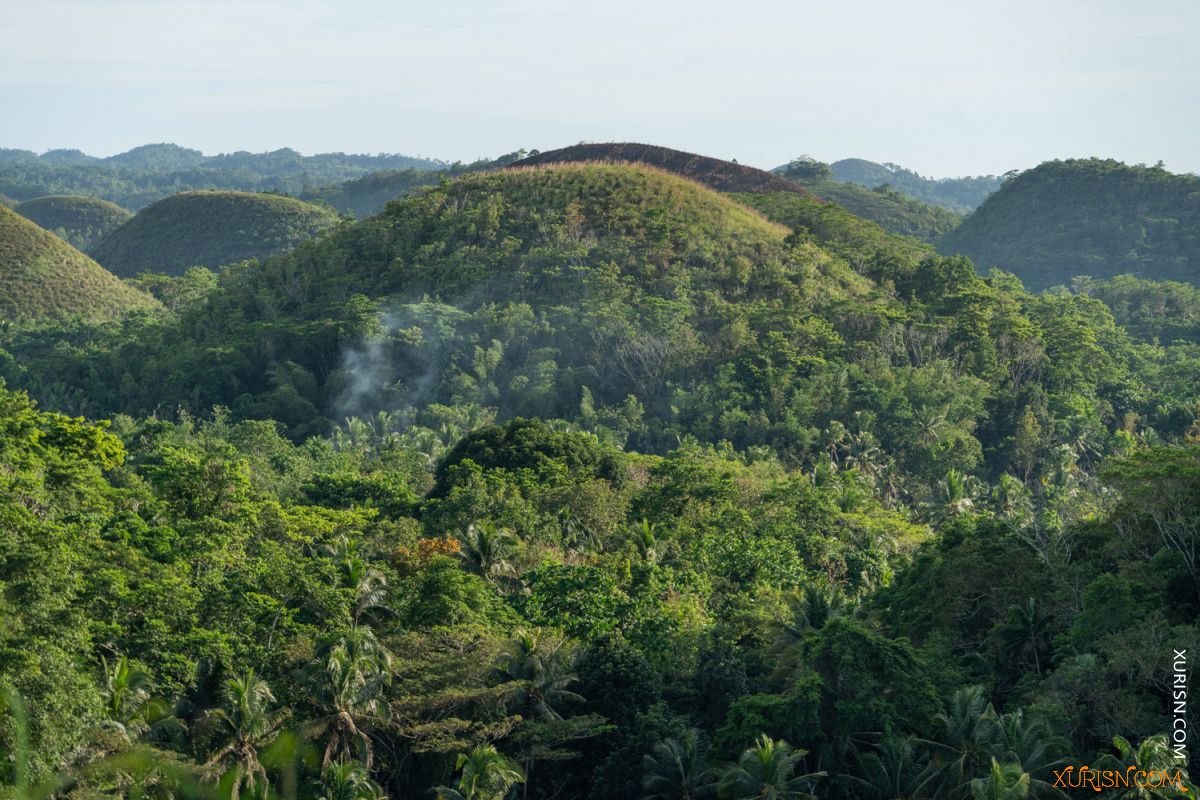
43,276
723,176
82,221
1092,217
210,229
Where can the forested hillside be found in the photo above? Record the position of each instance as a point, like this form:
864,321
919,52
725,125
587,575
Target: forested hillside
588,481
138,177
960,195
1093,217
210,229
81,221
893,210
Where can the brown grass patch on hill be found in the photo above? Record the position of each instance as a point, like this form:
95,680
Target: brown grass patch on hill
723,176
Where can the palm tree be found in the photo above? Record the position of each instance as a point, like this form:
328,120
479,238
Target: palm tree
355,572
645,539
348,678
964,747
807,611
132,711
243,727
892,772
1002,782
768,770
540,665
126,689
953,497
1025,633
1153,755
1031,745
486,550
485,775
676,770
348,780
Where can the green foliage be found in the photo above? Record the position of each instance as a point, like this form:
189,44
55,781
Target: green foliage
1099,218
890,208
42,276
82,221
210,229
620,469
960,195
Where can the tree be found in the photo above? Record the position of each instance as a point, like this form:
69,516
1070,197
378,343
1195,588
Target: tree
676,770
768,770
348,780
1002,782
241,729
485,775
486,550
348,678
540,666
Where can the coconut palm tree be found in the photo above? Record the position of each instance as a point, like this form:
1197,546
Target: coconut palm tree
1026,634
242,727
1002,782
891,772
806,612
348,678
676,770
962,751
355,572
486,550
768,770
348,780
1153,754
540,666
485,774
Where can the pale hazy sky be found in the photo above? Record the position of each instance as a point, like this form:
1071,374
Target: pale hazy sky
947,87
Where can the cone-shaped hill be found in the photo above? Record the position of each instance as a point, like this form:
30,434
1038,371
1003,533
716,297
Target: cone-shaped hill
723,176
519,288
43,276
210,229
894,212
492,235
1086,217
82,221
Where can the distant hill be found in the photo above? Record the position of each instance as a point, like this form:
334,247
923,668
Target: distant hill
143,175
362,197
158,157
723,176
82,221
1087,217
895,212
43,276
7,201
960,195
210,229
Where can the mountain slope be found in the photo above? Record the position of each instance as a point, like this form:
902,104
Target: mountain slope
210,229
43,276
960,195
82,221
1087,217
895,212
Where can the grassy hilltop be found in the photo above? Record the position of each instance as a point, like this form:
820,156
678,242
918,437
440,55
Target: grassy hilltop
210,229
43,276
82,221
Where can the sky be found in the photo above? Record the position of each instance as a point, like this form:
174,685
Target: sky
945,87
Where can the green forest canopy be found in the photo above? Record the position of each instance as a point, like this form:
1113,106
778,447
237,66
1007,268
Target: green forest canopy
588,481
